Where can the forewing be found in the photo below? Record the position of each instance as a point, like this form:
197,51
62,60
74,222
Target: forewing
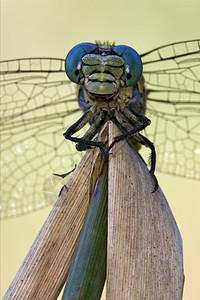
172,78
38,104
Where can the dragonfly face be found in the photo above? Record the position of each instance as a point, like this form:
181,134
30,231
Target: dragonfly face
103,69
37,103
104,72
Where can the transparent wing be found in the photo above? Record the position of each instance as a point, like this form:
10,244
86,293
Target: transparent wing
172,77
38,104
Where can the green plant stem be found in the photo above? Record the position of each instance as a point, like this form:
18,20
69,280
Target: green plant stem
88,270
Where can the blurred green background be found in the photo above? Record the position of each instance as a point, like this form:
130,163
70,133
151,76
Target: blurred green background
51,28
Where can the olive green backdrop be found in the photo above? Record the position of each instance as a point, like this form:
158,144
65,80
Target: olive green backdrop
52,28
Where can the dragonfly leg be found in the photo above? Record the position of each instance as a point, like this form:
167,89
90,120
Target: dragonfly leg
92,131
144,141
85,142
129,124
124,121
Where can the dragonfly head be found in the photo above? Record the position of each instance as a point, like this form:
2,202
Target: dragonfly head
103,69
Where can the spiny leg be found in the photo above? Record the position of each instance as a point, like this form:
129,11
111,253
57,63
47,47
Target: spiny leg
121,118
139,138
125,122
86,118
92,131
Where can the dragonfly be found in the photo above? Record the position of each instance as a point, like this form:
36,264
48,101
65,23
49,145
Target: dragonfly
38,104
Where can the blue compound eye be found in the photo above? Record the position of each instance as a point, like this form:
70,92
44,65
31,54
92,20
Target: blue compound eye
133,63
73,59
